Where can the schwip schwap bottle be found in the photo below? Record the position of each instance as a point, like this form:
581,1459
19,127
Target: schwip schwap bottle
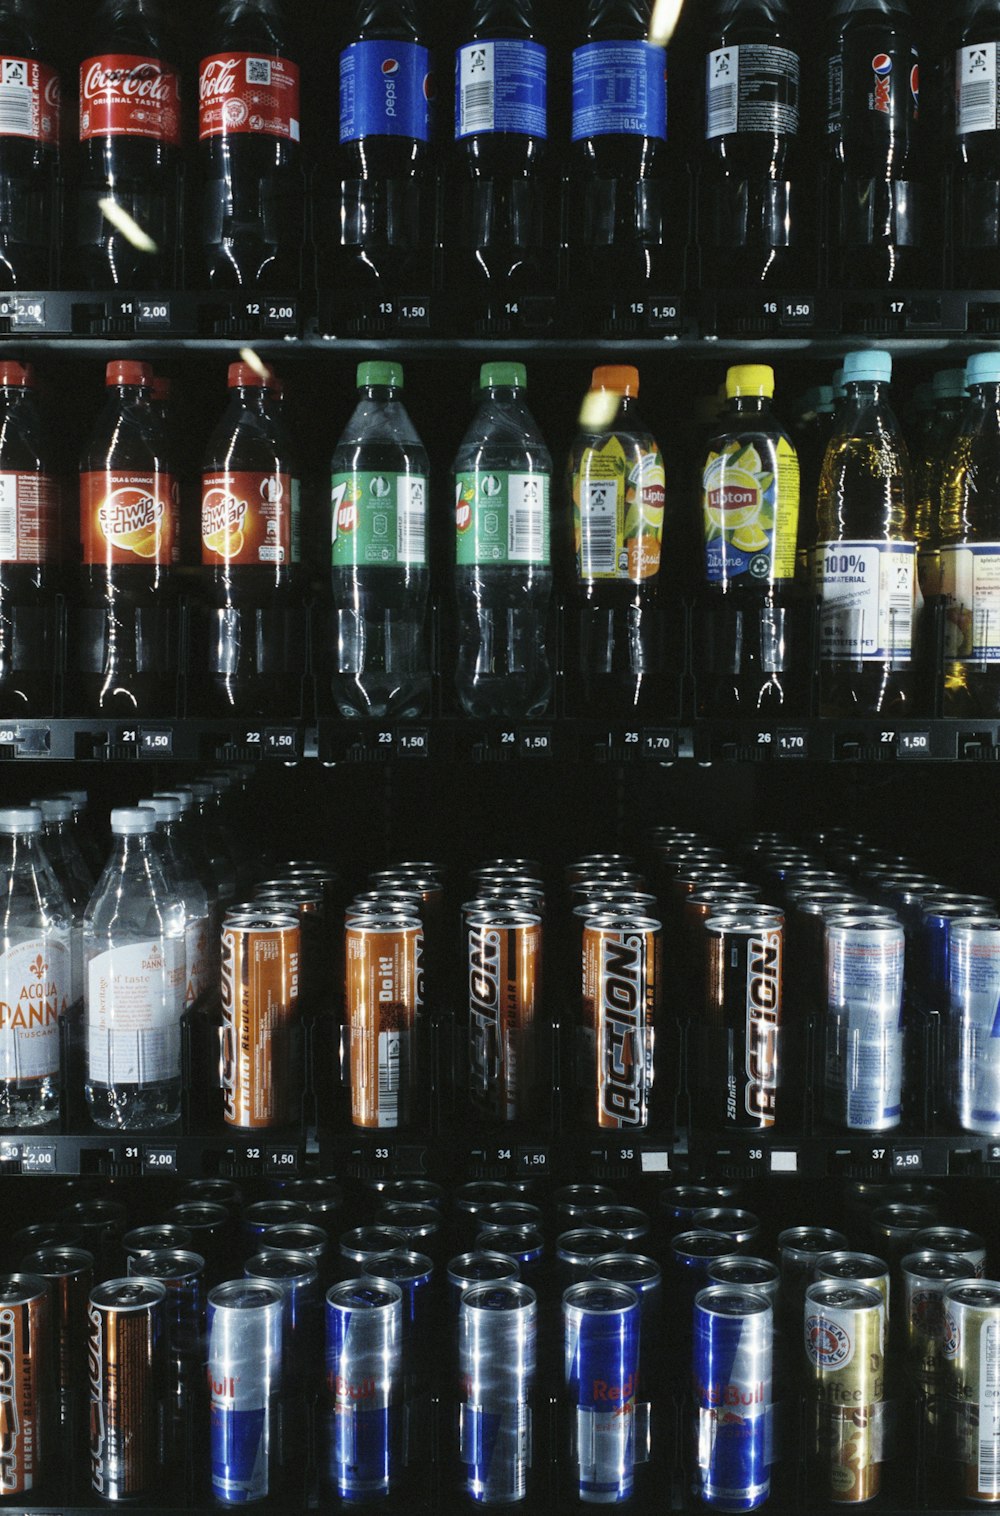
503,575
134,994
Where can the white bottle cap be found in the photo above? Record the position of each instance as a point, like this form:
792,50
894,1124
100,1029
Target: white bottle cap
132,821
202,791
55,808
18,820
165,807
183,797
78,797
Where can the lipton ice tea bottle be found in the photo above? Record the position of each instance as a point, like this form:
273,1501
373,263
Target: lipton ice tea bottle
126,634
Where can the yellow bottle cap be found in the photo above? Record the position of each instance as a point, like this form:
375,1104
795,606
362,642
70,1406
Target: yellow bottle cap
750,379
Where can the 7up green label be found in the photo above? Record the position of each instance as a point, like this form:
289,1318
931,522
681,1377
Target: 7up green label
379,520
501,518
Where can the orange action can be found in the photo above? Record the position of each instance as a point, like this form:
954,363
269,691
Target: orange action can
261,953
621,988
384,1013
504,956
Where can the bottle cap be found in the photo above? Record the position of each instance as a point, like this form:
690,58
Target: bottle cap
202,791
245,376
619,378
20,820
78,797
372,375
503,376
949,384
824,399
982,368
164,807
750,379
222,783
55,808
160,390
132,821
16,376
838,384
874,367
183,797
122,371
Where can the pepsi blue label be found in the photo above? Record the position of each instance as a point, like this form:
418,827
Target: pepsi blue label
501,87
619,88
385,91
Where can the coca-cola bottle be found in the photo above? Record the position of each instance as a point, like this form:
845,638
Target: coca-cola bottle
382,233
130,158
254,655
126,635
29,149
29,550
252,191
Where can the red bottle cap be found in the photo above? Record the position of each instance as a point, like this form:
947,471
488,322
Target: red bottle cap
160,390
16,375
124,372
244,376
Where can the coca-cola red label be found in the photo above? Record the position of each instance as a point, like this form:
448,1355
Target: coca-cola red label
128,518
29,100
244,93
249,518
125,96
29,505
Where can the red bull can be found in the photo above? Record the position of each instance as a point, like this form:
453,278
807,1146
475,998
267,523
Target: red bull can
601,1325
497,1347
863,1078
733,1391
973,1026
245,1319
364,1384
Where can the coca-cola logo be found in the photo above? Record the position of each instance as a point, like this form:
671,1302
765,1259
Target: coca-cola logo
143,81
218,78
53,92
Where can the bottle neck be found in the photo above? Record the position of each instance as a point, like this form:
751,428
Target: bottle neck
872,391
750,404
380,394
986,396
504,392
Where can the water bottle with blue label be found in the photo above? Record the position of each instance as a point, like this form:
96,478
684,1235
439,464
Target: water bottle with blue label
382,234
627,223
503,233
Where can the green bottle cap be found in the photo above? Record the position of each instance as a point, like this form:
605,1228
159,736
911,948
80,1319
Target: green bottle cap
495,376
388,374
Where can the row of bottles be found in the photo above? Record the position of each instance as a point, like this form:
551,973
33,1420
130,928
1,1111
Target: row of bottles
625,212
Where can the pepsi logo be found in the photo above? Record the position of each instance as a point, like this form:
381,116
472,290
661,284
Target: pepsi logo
915,83
390,66
882,65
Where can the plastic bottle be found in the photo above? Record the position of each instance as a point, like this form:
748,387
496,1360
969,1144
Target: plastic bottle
866,552
974,48
29,149
628,224
70,869
618,486
254,647
253,189
968,534
383,235
183,881
503,574
875,229
755,657
30,571
35,973
949,404
191,842
380,550
753,226
130,135
220,858
503,228
811,437
127,608
133,939
83,832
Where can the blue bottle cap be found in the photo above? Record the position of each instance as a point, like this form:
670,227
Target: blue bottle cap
838,384
982,368
874,367
949,384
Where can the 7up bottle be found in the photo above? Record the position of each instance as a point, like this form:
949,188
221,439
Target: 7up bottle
752,647
503,577
379,658
618,488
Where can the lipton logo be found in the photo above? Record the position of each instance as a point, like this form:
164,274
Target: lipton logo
131,518
218,79
144,81
732,497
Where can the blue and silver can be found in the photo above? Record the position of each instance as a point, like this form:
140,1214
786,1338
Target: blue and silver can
479,1267
244,1377
733,1354
601,1332
182,1274
525,1244
939,916
497,1345
413,1272
364,1380
645,1277
295,1274
973,1024
863,1079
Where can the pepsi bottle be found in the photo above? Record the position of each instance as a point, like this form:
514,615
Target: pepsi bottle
627,222
752,212
381,236
29,149
503,228
249,127
975,147
875,228
130,151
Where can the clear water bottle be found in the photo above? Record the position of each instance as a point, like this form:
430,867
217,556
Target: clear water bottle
503,574
379,577
192,843
83,831
183,881
209,823
35,972
133,942
68,865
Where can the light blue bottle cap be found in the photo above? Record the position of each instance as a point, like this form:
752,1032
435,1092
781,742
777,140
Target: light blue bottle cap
824,400
982,368
838,384
873,367
949,384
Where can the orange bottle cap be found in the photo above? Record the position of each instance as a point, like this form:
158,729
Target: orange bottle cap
620,378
